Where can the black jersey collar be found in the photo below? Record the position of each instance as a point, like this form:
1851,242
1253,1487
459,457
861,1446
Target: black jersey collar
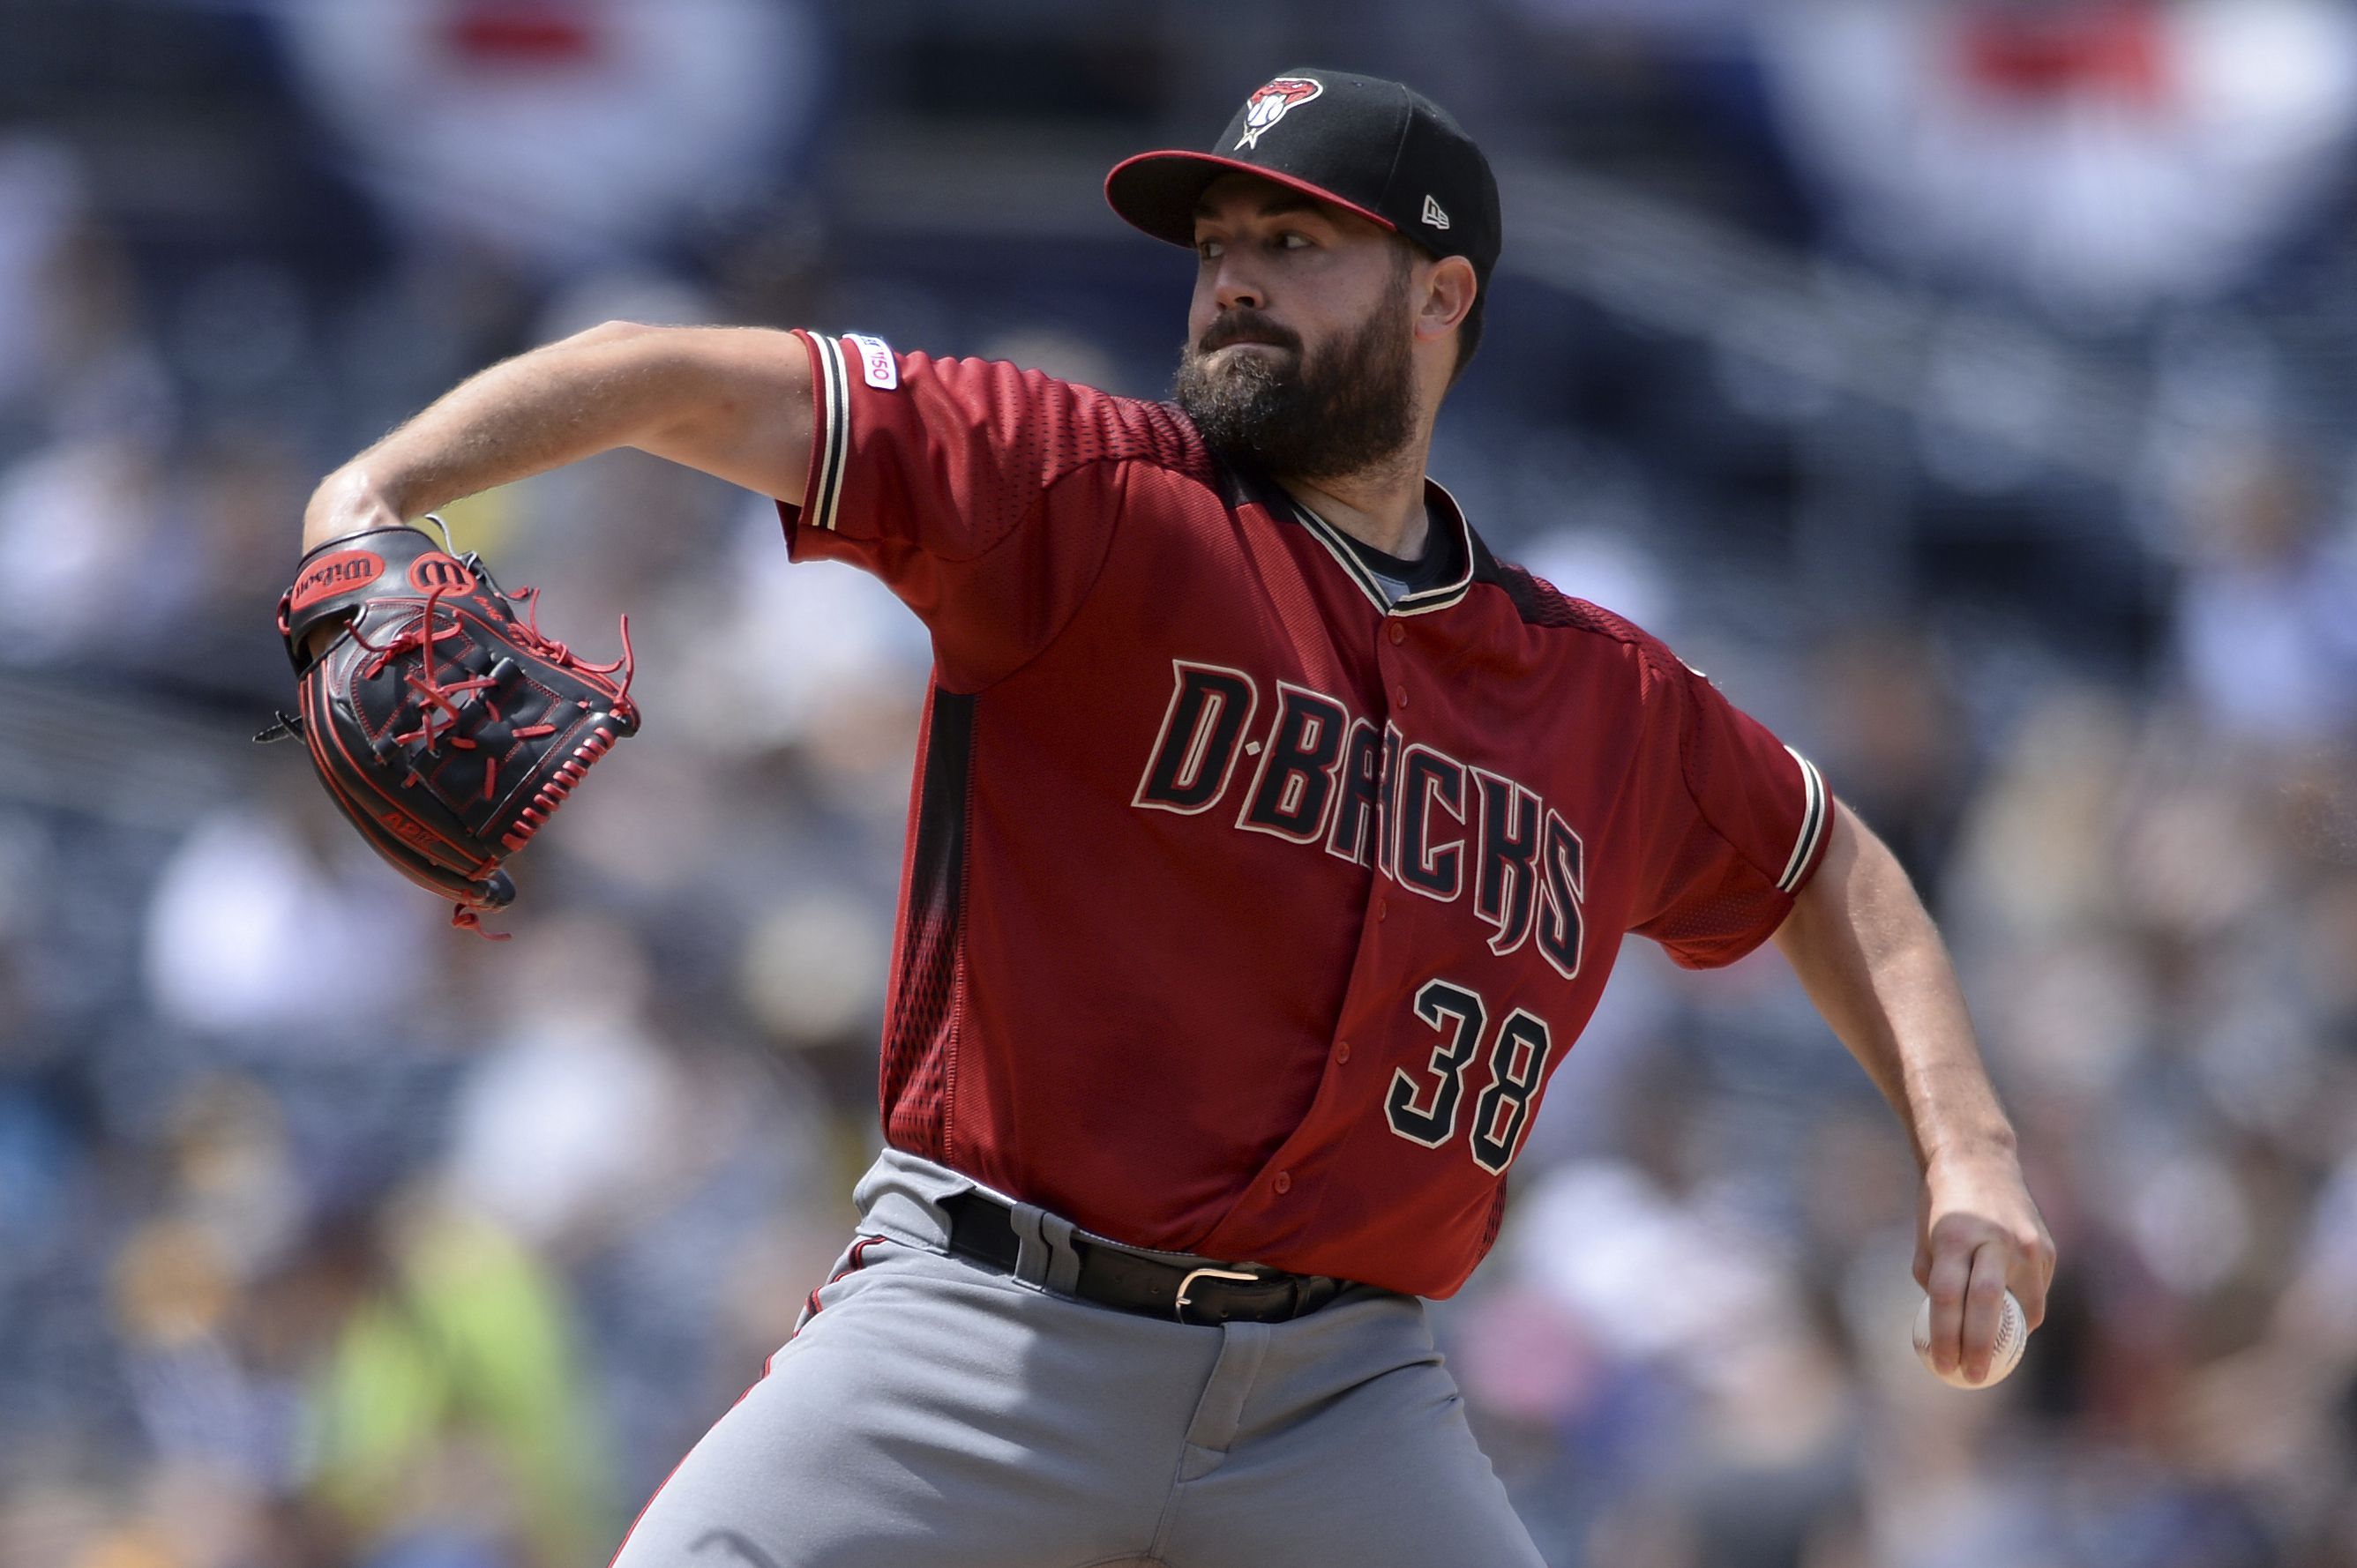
1244,485
1444,512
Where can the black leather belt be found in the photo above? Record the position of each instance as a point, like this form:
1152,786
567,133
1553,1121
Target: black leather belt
982,1230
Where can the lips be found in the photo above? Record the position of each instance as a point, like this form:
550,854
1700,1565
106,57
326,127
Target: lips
1250,343
1228,334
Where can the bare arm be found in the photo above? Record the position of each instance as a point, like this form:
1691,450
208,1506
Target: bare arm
733,402
1873,964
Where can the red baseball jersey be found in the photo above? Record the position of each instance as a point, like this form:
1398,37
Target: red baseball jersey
1246,913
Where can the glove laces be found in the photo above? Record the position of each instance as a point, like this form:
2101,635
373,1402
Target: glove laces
442,706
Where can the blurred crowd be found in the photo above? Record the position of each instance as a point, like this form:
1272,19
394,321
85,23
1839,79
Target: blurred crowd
331,1238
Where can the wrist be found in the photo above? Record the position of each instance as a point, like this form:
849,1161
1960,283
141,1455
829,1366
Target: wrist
347,501
1979,1146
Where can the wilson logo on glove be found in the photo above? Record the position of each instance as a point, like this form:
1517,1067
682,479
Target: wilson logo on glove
409,833
333,574
440,574
445,728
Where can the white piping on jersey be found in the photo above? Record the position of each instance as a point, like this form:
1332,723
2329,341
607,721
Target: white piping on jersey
1438,598
1815,816
835,443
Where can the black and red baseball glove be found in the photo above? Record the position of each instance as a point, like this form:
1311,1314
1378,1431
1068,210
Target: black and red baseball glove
445,728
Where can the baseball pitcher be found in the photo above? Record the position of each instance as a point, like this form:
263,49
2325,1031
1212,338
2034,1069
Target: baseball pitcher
1270,844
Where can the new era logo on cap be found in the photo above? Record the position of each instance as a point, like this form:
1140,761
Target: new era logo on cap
1434,215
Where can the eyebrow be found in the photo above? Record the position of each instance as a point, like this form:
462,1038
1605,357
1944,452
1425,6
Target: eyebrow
1278,204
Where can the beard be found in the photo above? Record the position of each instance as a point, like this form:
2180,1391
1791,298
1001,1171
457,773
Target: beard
1346,409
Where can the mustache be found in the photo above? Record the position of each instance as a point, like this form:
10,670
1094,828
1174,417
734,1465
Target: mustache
1246,326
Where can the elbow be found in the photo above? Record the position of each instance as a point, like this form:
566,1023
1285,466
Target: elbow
613,332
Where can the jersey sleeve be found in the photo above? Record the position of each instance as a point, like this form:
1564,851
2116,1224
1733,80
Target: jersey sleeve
1741,823
980,494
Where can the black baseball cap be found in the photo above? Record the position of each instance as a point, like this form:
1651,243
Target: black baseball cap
1380,149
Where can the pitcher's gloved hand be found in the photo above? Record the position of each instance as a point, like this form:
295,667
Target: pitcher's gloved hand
446,728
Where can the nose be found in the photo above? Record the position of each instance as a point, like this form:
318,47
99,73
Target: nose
1235,288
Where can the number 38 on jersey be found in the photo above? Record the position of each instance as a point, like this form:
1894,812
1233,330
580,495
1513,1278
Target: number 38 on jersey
1422,1107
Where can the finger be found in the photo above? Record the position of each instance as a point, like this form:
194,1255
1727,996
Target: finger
1924,1238
2033,1277
1951,1271
1984,1308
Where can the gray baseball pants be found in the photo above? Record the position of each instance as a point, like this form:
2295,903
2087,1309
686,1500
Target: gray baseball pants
930,1413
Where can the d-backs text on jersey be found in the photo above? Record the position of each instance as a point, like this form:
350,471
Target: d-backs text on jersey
1327,777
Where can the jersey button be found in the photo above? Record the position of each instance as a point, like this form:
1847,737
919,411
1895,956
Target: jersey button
1383,908
1283,1183
1341,1051
1397,633
1401,694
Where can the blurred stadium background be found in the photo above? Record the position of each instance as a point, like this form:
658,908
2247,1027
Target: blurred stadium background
1966,384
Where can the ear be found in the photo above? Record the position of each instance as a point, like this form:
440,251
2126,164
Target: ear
1446,297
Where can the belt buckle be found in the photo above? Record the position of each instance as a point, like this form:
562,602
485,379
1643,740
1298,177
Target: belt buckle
1179,1307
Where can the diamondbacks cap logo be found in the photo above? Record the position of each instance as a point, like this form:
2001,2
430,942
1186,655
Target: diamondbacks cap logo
1266,107
436,570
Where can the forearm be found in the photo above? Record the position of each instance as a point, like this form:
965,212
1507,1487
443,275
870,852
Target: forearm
1874,966
731,402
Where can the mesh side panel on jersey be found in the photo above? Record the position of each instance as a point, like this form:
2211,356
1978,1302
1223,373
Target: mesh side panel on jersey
920,1031
1497,1219
1100,427
1541,602
1701,928
1041,429
1536,599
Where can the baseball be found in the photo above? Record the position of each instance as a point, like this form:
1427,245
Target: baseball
2012,1335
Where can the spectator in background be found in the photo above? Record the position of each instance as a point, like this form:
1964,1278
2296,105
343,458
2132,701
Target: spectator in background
2266,609
84,393
265,891
1893,723
72,360
262,1250
449,1417
2100,157
557,131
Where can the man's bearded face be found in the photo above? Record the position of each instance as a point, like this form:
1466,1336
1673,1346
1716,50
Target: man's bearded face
1343,408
